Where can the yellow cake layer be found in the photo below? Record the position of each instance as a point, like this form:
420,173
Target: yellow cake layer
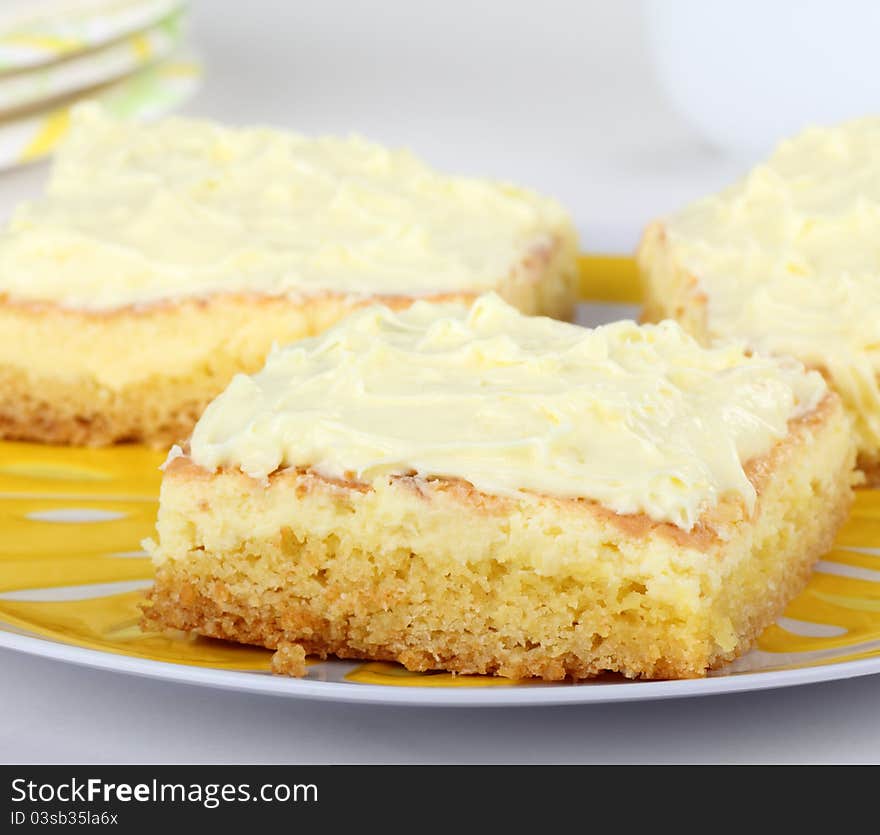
438,575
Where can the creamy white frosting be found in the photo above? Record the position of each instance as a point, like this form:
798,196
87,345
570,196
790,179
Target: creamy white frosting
789,259
136,214
641,419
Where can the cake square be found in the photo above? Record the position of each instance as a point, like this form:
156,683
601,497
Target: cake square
786,260
166,258
470,489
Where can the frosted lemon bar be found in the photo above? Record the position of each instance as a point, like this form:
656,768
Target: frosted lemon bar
165,258
471,489
788,260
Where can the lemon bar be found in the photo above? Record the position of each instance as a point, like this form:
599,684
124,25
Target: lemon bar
470,489
787,260
165,258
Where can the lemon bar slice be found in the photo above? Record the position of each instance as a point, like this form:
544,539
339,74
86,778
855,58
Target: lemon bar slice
470,489
787,260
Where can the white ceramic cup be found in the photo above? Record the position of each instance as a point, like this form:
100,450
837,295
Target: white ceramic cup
746,73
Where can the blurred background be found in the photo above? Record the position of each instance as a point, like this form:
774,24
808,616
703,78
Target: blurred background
621,110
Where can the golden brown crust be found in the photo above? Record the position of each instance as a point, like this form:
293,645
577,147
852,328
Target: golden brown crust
213,610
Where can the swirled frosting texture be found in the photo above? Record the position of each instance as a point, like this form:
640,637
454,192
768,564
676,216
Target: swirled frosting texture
789,259
641,419
136,214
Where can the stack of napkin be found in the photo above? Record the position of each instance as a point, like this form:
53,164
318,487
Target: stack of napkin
128,54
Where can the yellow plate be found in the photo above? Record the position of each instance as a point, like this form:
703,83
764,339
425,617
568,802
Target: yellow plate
71,575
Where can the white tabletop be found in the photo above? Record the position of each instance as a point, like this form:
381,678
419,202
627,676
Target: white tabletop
555,95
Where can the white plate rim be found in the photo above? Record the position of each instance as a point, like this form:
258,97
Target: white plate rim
416,696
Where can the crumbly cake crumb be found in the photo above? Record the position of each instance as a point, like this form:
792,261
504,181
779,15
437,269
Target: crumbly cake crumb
289,660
